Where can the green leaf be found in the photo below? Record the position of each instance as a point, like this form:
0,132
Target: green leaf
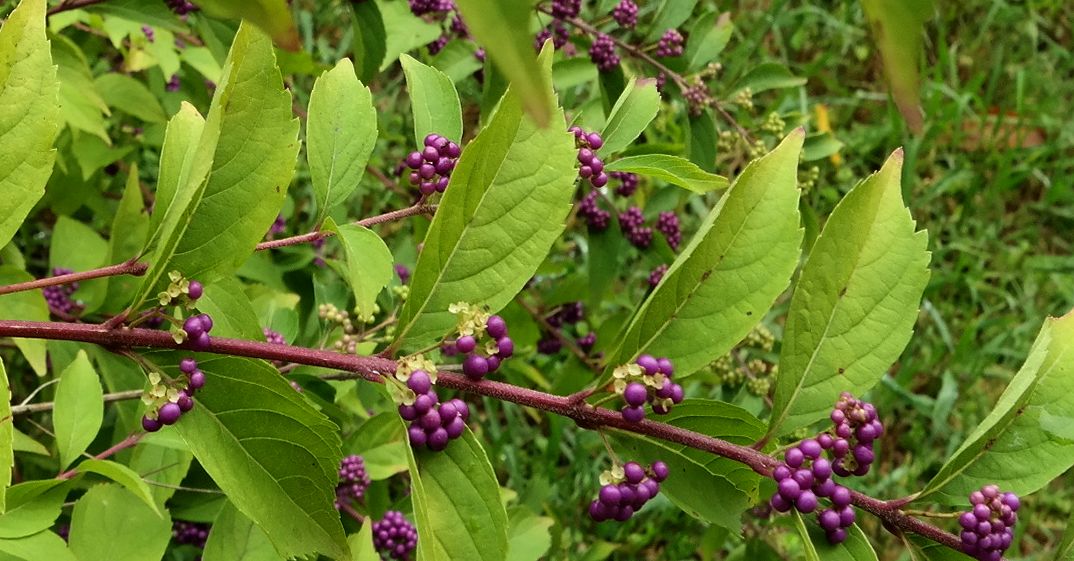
21,442
130,96
78,247
855,304
127,240
498,219
274,456
707,39
29,114
80,104
381,446
235,537
457,60
1027,439
720,286
455,493
233,313
139,11
28,305
922,549
341,132
820,145
123,475
244,159
109,524
633,111
31,507
433,100
79,409
899,29
272,16
174,189
369,263
404,31
42,545
702,140
499,27
769,76
673,169
7,437
164,466
712,489
362,545
528,536
671,14
817,548
370,39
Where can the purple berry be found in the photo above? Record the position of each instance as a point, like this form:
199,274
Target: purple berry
462,408
419,382
423,403
649,364
610,495
635,394
496,327
151,425
660,471
465,344
794,458
505,347
841,497
633,472
455,428
438,439
602,53
633,414
806,502
185,402
197,380
169,413
188,365
417,436
626,14
195,290
475,367
829,520
193,326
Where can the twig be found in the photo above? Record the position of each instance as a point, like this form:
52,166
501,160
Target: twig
367,222
24,409
126,268
121,445
71,5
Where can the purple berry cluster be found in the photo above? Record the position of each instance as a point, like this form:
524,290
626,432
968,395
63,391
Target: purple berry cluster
670,44
602,53
475,366
619,501
587,341
197,330
273,337
181,7
856,427
563,9
988,527
278,227
628,183
657,275
667,223
560,36
431,167
58,297
190,533
653,386
432,423
632,223
549,344
591,167
589,209
394,536
169,412
423,7
569,313
173,83
802,479
626,14
353,480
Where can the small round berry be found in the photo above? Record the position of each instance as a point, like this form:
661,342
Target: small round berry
494,362
197,380
423,403
841,497
594,140
677,394
448,412
430,420
455,428
794,458
188,365
438,439
465,344
665,367
806,502
193,326
200,342
462,408
811,448
624,513
846,516
185,402
598,511
505,347
1012,500
420,382
649,364
829,520
475,367
417,436
633,472
408,412
825,488
195,290
822,469
633,414
496,327
610,495
413,160
837,536
779,503
151,425
660,471
635,394
781,472
790,489
206,322
169,413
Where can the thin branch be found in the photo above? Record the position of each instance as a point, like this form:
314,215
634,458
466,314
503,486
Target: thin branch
367,222
126,268
374,368
25,409
131,440
557,333
71,5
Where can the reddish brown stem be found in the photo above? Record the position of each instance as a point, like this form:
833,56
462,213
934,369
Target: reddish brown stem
127,268
367,222
121,445
71,5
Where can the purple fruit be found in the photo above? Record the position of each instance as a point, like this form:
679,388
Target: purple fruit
806,502
430,420
635,394
455,428
438,439
660,471
829,520
193,326
633,414
463,409
811,448
649,364
197,380
496,327
465,344
419,382
494,362
185,402
200,342
475,367
151,425
505,347
188,365
610,495
633,472
794,458
195,290
417,436
423,403
408,412
169,413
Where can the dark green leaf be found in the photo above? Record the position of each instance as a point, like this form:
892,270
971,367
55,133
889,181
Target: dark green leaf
817,548
369,264
769,76
123,475
130,96
635,109
673,169
233,314
110,524
28,305
433,100
79,409
369,39
672,14
130,227
235,538
701,144
272,16
707,39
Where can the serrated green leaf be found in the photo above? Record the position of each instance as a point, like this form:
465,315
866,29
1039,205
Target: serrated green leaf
272,16
80,104
855,304
164,466
109,511
32,507
1027,439
922,549
707,39
370,39
21,442
380,443
633,111
127,240
720,286
820,145
274,456
455,493
233,313
79,409
498,218
174,188
123,475
712,489
7,437
235,537
369,263
673,169
28,305
671,15
244,159
499,27
130,96
362,545
528,536
341,132
817,548
29,114
42,545
433,100
769,76
899,29
78,247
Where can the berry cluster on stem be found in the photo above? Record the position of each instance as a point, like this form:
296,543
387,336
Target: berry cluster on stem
632,223
647,380
590,211
670,44
626,489
628,183
625,14
856,427
58,297
167,402
988,527
190,533
353,480
431,166
803,479
590,167
432,424
394,536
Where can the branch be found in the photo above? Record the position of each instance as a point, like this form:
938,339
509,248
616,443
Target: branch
71,5
373,368
420,208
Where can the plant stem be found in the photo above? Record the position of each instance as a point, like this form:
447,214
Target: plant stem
373,368
71,5
367,222
28,408
131,440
